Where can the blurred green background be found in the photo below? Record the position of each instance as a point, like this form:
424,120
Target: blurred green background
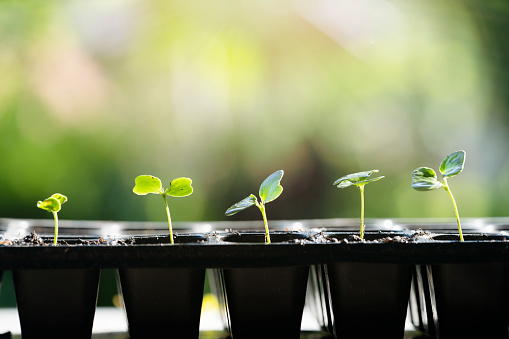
94,93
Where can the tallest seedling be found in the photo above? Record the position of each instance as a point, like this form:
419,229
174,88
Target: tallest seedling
180,187
425,178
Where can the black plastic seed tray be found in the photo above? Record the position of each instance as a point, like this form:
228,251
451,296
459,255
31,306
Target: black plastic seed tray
323,249
211,251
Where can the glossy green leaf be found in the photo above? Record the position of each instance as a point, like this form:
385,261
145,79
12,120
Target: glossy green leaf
453,164
425,179
271,188
180,187
145,184
357,179
241,205
51,204
373,179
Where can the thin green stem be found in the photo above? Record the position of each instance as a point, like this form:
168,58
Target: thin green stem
262,209
446,187
169,217
55,215
361,188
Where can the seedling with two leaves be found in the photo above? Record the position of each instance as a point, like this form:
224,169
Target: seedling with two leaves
180,187
270,189
359,179
53,204
425,178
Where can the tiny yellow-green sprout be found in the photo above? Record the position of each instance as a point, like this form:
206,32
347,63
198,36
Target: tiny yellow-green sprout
53,204
148,184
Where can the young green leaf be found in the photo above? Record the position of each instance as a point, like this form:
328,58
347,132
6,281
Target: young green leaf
453,164
271,188
357,179
180,187
241,205
145,184
60,197
51,204
425,179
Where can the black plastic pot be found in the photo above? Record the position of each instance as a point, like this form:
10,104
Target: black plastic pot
318,299
262,302
369,299
162,302
365,299
464,299
1,276
56,303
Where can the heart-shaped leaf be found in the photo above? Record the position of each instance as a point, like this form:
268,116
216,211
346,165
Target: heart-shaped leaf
51,204
453,164
425,179
145,184
241,205
358,179
270,188
180,187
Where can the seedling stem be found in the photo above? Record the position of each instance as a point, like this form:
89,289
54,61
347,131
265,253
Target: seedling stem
169,217
262,209
55,215
446,187
361,188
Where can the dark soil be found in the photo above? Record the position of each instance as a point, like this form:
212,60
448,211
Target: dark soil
341,237
419,236
34,239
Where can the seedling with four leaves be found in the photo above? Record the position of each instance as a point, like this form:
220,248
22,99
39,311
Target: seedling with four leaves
270,189
180,187
359,179
425,178
53,204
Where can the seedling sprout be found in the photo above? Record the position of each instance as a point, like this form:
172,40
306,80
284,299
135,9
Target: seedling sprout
359,179
270,189
180,187
53,204
425,178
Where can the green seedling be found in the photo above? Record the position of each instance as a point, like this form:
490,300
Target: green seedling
359,179
180,187
270,189
425,178
53,204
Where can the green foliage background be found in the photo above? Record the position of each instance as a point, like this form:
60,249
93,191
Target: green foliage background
94,93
